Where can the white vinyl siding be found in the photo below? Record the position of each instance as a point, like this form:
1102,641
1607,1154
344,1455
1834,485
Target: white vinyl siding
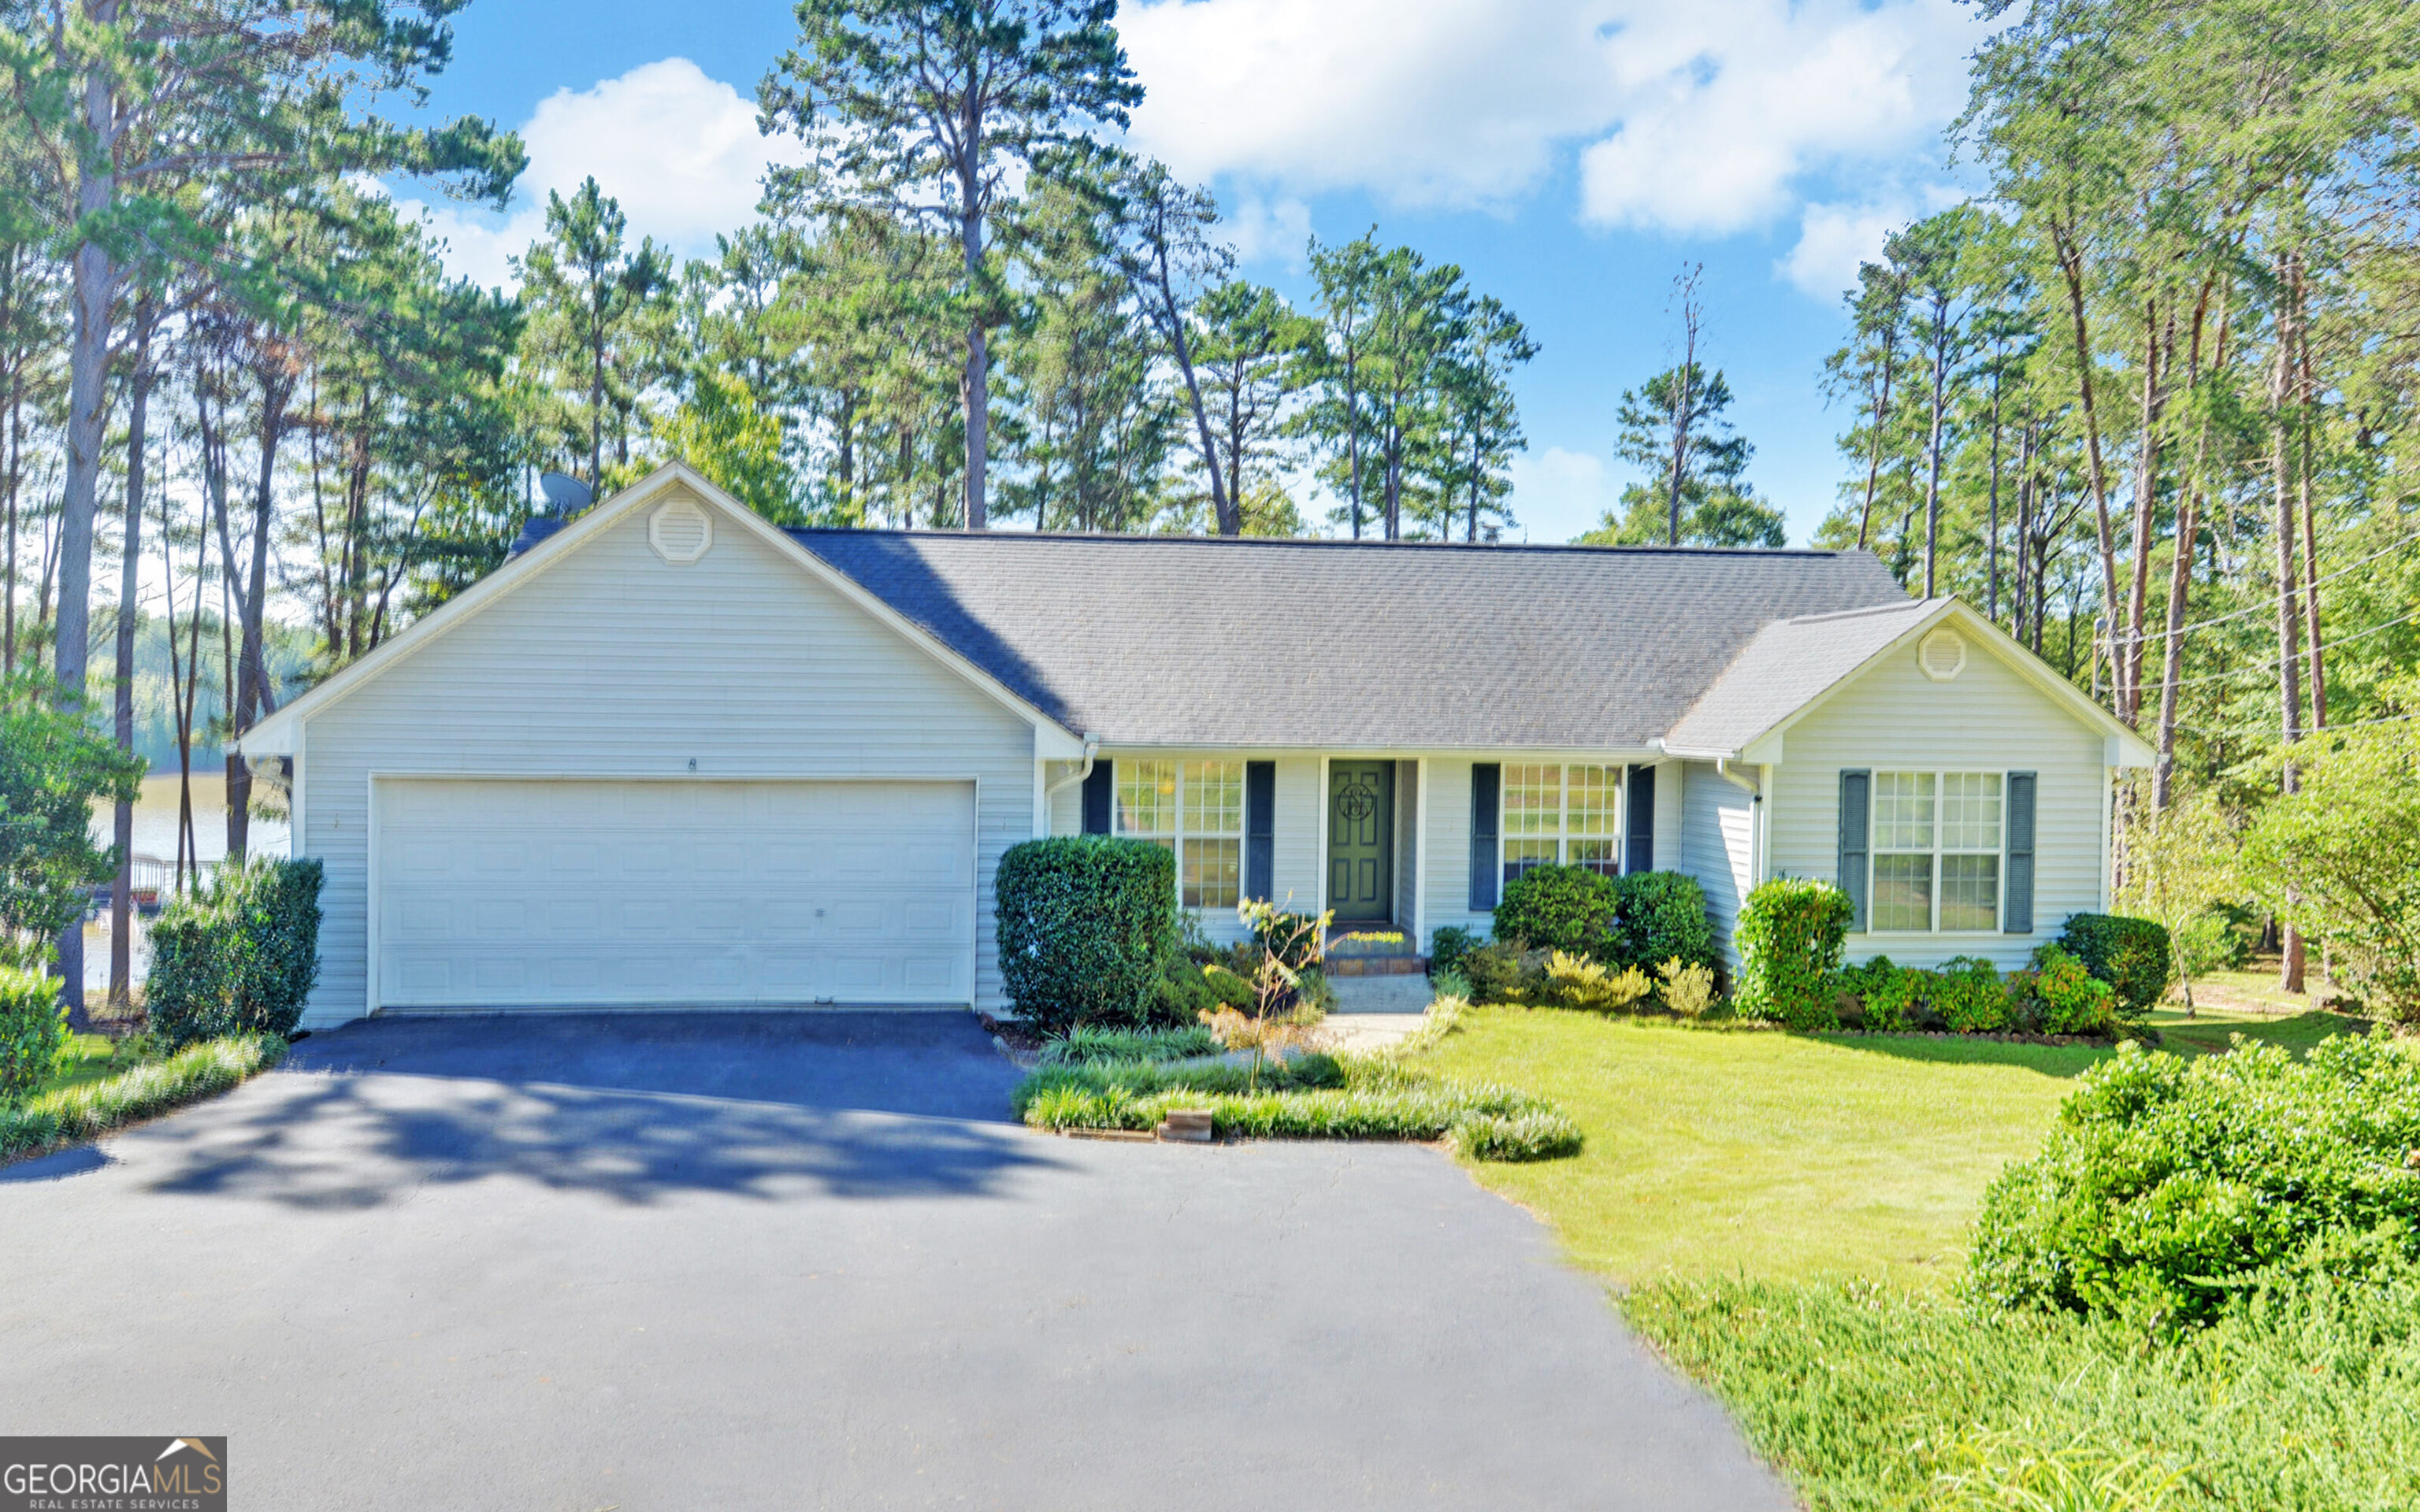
1718,841
1988,720
610,663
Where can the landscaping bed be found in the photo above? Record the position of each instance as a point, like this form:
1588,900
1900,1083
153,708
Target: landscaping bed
1135,1081
88,1108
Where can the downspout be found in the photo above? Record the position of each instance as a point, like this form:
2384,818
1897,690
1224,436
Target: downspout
1051,790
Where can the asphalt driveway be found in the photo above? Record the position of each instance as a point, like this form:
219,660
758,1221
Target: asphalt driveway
807,1262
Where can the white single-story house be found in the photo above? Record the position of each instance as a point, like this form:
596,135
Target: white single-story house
672,756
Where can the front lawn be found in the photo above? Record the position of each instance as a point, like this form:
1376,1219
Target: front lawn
1712,1151
90,1057
1784,1215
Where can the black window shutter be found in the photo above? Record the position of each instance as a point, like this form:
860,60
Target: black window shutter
1641,846
1486,787
2017,884
1260,828
1856,800
1099,788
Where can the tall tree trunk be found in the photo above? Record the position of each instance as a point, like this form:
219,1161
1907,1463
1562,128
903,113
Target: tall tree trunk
96,277
2180,568
129,584
2307,402
2147,498
1932,447
2290,657
1992,589
16,475
2070,268
977,384
252,697
1882,418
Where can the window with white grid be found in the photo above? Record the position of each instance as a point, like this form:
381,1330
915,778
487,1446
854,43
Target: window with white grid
1936,851
1195,808
1570,815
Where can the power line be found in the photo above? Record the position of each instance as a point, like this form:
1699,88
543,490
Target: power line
2264,668
2263,606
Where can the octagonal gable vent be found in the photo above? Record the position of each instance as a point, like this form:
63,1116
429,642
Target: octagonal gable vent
680,531
1941,654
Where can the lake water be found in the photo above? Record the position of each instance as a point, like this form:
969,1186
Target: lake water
155,836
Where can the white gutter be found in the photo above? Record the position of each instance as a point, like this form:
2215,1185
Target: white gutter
1092,749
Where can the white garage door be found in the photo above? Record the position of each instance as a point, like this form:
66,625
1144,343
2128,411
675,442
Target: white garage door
582,894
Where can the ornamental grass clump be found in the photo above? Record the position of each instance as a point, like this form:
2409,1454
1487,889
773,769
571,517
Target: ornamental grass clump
94,1108
1576,981
1307,1096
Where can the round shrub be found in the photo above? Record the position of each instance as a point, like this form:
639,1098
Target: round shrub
2167,1188
1559,908
1448,946
33,1032
239,957
2072,999
1087,925
1790,937
1966,993
2132,955
1887,992
1659,917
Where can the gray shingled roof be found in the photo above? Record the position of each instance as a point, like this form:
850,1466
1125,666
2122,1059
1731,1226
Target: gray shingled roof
1333,644
1790,664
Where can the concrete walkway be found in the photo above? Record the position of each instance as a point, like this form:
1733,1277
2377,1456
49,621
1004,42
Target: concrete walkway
799,1260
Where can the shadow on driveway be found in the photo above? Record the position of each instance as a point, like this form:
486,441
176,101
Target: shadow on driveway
632,1107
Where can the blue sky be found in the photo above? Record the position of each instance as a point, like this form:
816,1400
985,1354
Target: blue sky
1570,154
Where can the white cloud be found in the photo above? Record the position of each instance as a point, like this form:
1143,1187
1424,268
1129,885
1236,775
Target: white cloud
1697,118
678,149
1833,239
1278,231
1558,494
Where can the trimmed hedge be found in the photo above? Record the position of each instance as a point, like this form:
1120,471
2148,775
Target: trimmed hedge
2132,955
239,957
33,1032
2169,1188
1559,908
1087,923
94,1108
1791,935
1661,916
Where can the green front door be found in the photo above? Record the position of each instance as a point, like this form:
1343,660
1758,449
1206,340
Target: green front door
1360,840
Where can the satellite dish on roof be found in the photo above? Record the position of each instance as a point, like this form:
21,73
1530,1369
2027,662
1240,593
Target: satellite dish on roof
565,492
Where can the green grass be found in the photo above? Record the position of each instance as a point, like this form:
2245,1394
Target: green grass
67,1114
2211,1031
1769,1154
1784,1214
92,1057
1872,1399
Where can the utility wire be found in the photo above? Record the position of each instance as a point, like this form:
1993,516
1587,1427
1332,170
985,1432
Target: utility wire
2263,606
2265,667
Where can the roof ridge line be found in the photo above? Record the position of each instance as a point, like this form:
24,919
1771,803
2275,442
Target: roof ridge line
1860,613
1322,541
